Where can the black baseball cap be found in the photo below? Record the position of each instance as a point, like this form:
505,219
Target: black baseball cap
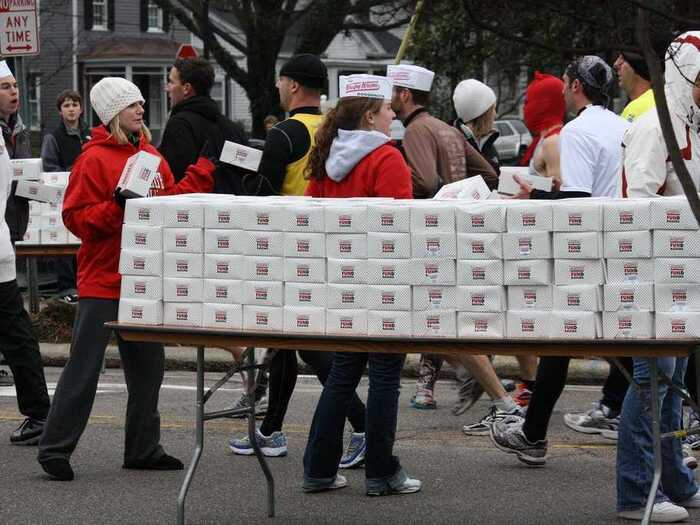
306,69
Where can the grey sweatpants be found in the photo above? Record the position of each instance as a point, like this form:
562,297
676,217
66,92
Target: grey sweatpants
75,392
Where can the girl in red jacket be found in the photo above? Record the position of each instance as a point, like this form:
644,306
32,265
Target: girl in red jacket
93,211
353,158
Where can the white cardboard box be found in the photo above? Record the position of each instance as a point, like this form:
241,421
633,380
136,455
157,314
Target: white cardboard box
242,156
578,245
140,311
302,244
672,213
305,320
223,266
182,290
183,240
527,245
479,246
303,217
51,220
262,243
471,188
537,297
432,217
26,169
263,318
222,291
391,271
31,236
137,236
578,271
305,294
668,271
138,174
182,314
223,215
38,191
481,298
626,214
577,215
35,208
222,241
434,245
346,246
575,325
630,270
388,217
218,315
389,298
263,268
141,287
480,217
577,297
508,185
677,297
35,221
141,262
434,271
528,324
677,243
305,270
347,296
677,325
383,245
481,325
145,212
480,272
58,235
347,271
627,244
183,265
628,325
183,213
346,218
434,298
389,323
529,216
263,293
346,322
55,177
536,271
629,296
435,323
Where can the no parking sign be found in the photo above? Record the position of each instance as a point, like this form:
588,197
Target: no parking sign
19,28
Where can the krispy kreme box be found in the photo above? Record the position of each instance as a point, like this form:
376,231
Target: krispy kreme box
223,266
578,271
577,297
391,271
432,217
222,291
183,240
389,297
55,177
305,294
528,216
577,215
222,241
182,290
630,270
527,272
136,236
347,271
141,262
480,272
263,268
51,220
38,191
628,325
141,287
183,265
527,324
183,213
305,320
262,215
434,298
481,325
26,169
434,271
346,322
629,296
389,323
388,245
677,325
480,217
304,217
479,246
677,297
262,243
182,314
57,235
140,311
145,212
346,246
578,245
527,245
138,174
672,213
481,298
305,270
677,243
627,244
626,215
302,244
345,217
263,293
537,297
575,325
224,215
670,270
437,244
242,156
389,217
347,296
219,315
263,318
435,323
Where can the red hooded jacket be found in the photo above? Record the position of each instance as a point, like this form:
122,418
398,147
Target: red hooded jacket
91,213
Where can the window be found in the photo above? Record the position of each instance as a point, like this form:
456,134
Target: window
34,100
504,129
155,18
99,15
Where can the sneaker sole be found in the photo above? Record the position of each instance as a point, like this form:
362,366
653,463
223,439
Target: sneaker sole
591,430
392,492
484,432
424,407
356,463
267,452
524,458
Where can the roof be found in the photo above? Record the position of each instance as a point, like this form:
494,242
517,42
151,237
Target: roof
131,48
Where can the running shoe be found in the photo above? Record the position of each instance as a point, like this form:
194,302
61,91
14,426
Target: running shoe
338,483
689,460
665,512
400,483
355,454
522,395
599,420
243,404
274,445
483,426
424,400
507,435
470,391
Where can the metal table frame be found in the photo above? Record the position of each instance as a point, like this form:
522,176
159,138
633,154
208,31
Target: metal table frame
207,337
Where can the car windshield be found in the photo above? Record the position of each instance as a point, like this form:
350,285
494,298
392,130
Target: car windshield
503,129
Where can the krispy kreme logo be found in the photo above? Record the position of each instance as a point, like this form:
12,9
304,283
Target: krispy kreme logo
139,288
388,325
527,325
573,299
182,314
303,321
529,220
673,216
304,296
626,296
346,323
388,298
478,299
241,154
478,247
263,218
137,312
434,296
388,272
182,290
261,294
223,217
223,243
222,267
387,220
432,245
570,326
139,263
303,270
362,86
388,246
347,272
262,269
221,292
481,325
624,246
347,297
577,273
677,326
302,220
182,266
431,221
530,296
524,273
262,244
345,246
140,239
624,323
478,221
432,322
182,216
573,246
626,217
575,219
344,221
630,269
478,273
143,214
679,295
262,319
181,241
525,244
676,244
145,174
33,190
303,246
432,270
677,271
220,316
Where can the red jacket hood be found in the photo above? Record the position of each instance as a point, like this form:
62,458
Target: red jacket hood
100,136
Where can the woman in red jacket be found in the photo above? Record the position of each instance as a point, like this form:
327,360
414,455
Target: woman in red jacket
93,211
353,158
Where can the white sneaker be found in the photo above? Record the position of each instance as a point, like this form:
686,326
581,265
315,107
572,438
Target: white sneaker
692,503
665,512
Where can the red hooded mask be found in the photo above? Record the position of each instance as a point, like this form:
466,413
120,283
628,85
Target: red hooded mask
544,108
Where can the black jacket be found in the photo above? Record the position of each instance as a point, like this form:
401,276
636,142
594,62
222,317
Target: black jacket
192,123
16,137
487,149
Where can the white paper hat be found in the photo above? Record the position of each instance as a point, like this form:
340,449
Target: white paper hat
371,86
412,77
5,70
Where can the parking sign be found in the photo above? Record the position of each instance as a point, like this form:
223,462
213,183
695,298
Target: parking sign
19,28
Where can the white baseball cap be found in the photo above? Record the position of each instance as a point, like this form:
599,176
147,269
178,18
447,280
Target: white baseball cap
370,86
412,77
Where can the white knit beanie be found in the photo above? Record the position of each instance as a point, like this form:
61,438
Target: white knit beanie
472,99
111,95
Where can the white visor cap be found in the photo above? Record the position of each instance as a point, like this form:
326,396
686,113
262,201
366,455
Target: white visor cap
5,70
412,77
370,86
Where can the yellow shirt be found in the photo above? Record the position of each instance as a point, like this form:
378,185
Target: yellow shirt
639,106
294,181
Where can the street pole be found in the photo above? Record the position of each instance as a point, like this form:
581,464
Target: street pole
409,33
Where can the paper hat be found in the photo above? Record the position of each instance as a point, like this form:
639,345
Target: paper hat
5,70
370,86
412,77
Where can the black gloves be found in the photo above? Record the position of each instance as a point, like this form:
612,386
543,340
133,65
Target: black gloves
119,198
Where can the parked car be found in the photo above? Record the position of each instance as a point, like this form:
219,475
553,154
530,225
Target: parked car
513,140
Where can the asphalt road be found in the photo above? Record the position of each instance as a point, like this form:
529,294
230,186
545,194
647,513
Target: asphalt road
465,479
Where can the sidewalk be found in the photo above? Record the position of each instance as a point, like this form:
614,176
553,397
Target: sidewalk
581,371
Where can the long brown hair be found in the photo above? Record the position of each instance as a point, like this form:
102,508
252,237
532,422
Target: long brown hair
349,114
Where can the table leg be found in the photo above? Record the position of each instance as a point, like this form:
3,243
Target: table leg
251,435
656,436
199,438
33,284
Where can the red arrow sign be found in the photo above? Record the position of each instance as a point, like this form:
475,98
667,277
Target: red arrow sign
15,48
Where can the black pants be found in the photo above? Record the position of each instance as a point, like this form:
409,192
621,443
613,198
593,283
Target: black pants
283,379
19,345
65,272
75,393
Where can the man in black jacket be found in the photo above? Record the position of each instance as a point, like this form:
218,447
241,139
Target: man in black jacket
195,118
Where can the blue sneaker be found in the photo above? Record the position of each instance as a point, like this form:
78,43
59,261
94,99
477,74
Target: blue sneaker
271,446
355,454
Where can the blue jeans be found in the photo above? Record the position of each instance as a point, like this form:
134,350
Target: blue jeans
635,453
325,446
